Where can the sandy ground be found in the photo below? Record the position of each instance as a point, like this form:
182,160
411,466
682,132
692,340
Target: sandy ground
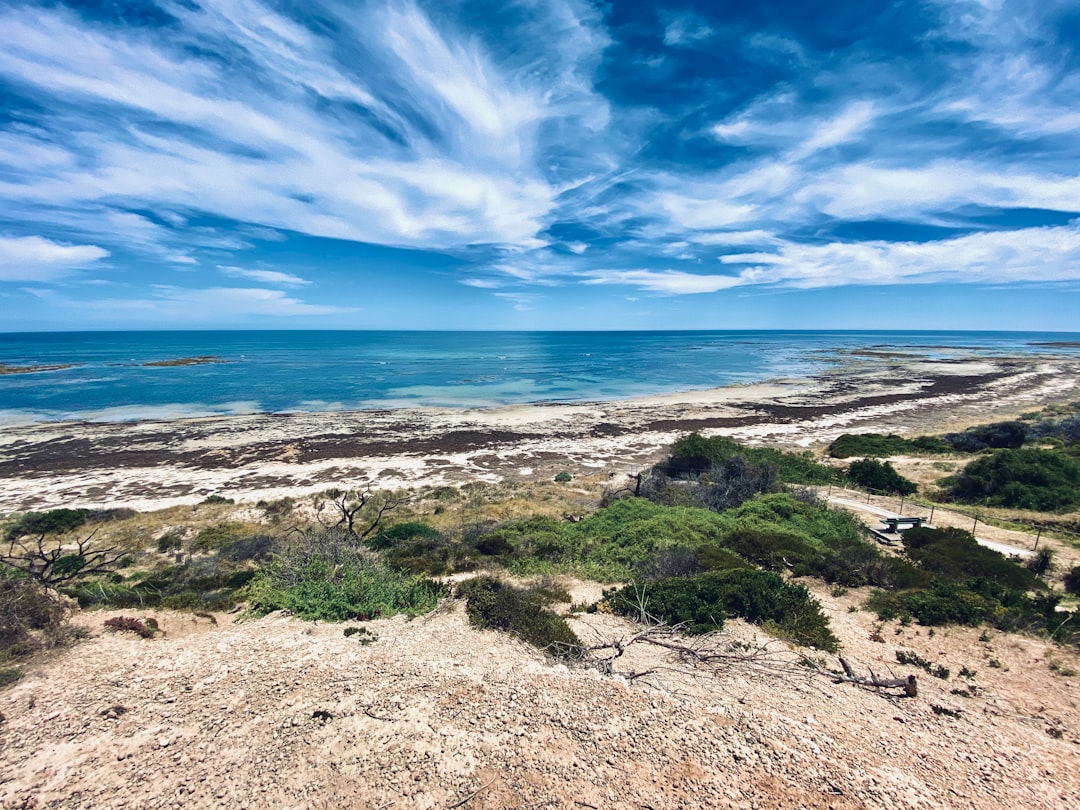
281,713
150,465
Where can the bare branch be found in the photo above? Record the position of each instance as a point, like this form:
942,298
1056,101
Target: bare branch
55,563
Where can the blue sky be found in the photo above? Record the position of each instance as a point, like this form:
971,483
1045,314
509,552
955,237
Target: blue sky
535,164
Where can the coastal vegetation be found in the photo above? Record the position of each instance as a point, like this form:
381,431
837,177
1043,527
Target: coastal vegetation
715,531
878,476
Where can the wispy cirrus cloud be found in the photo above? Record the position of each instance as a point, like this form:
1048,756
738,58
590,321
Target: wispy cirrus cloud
32,258
537,146
264,276
241,112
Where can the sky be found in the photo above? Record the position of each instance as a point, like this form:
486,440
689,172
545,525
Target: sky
540,164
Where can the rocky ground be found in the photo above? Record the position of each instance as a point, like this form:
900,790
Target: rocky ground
277,712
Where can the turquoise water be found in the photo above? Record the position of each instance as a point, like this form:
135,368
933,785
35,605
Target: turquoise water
318,371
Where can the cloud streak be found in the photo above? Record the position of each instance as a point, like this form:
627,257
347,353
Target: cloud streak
533,148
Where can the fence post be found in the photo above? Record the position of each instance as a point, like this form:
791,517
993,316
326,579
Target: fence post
868,496
931,518
1037,539
973,525
900,511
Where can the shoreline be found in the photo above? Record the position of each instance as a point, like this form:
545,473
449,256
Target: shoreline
155,464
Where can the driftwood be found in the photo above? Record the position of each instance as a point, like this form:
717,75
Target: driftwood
909,684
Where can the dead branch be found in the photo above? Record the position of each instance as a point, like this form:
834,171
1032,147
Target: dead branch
710,655
56,562
347,505
909,684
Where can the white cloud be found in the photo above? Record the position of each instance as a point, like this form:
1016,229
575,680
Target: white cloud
523,302
239,301
686,31
1049,254
844,127
184,305
864,191
34,258
1031,255
481,283
670,282
264,276
445,152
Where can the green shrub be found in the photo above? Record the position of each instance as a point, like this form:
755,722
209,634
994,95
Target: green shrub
421,549
492,604
325,575
401,533
216,499
1000,435
955,555
869,445
878,445
702,602
695,454
882,477
168,542
1042,480
214,537
214,582
1072,580
563,477
55,521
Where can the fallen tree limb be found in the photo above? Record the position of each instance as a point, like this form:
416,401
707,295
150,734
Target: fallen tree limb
909,684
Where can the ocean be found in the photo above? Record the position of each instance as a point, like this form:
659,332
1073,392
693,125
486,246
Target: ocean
104,376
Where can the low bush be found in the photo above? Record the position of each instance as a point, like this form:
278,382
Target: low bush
401,533
1072,580
724,485
881,445
492,604
695,454
999,435
258,548
1042,480
869,445
214,537
55,521
108,515
701,603
879,476
30,618
169,542
326,575
955,555
213,582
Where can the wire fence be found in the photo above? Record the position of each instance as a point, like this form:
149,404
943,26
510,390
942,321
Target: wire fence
951,515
